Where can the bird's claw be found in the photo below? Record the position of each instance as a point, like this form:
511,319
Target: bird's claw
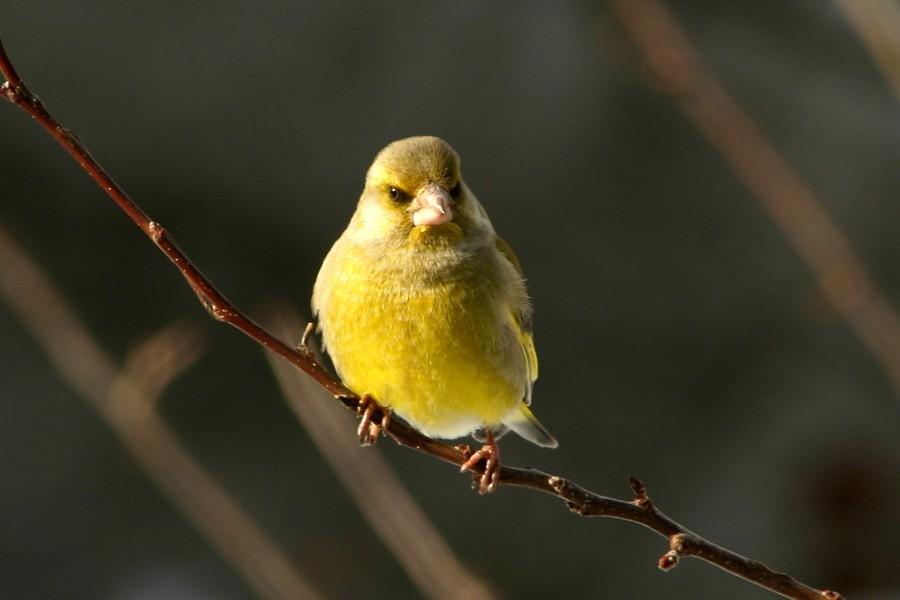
490,476
368,430
303,346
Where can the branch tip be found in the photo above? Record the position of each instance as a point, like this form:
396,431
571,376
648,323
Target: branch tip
640,491
669,560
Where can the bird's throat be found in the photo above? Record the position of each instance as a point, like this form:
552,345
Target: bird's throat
435,236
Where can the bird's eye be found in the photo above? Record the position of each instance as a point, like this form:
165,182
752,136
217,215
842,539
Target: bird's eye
397,195
454,192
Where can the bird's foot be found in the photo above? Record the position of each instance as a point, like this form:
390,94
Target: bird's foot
303,346
490,453
368,430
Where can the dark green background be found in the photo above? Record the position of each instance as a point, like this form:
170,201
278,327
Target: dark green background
681,338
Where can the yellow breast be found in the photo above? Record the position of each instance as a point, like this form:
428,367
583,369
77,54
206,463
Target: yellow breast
426,334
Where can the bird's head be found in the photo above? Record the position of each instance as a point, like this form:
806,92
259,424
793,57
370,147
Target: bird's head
415,194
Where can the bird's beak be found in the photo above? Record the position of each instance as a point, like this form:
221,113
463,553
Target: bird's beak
431,206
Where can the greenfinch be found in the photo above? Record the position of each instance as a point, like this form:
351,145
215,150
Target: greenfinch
423,308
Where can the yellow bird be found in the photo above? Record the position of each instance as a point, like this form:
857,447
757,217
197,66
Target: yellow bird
423,308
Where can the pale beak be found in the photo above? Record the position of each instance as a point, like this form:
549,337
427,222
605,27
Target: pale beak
431,206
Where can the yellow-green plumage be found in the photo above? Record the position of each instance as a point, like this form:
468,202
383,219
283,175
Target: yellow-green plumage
432,321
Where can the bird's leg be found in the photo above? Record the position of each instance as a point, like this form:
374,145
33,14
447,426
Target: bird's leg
464,449
490,454
368,431
366,408
303,346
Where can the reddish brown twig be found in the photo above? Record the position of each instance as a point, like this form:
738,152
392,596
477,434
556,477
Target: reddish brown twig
682,542
14,90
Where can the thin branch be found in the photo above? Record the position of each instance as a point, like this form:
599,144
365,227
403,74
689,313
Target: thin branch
381,497
682,542
125,400
788,199
877,22
155,362
14,90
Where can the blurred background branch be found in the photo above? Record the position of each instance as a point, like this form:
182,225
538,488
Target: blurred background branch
126,401
877,22
788,199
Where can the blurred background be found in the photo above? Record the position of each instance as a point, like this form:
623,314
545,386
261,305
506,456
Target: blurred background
682,340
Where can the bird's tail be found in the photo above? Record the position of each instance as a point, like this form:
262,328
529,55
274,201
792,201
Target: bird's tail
526,425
